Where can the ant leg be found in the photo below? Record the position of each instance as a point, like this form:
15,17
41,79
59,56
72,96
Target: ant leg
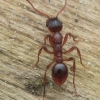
46,37
78,52
45,76
66,37
46,50
74,69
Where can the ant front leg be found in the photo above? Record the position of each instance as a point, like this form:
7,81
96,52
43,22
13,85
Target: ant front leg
78,52
74,69
46,50
66,38
45,38
45,77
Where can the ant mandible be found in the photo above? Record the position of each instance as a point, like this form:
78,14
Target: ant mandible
59,70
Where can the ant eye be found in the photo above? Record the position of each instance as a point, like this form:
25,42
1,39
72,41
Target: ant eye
46,25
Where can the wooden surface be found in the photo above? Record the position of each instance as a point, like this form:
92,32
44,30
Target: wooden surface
22,32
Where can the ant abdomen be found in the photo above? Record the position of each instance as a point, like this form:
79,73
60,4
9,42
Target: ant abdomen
59,73
54,24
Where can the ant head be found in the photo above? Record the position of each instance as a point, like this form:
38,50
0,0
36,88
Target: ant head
54,24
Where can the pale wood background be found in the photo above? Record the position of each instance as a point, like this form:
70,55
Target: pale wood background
21,34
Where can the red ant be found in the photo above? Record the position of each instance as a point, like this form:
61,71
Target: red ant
59,70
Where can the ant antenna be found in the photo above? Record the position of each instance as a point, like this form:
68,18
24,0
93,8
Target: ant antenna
62,8
38,10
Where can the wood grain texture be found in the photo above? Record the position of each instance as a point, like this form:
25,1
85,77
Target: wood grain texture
22,32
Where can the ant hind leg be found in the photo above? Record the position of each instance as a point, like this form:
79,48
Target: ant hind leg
45,77
73,69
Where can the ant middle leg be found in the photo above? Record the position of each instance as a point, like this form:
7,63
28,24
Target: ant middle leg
74,69
46,50
78,52
66,38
